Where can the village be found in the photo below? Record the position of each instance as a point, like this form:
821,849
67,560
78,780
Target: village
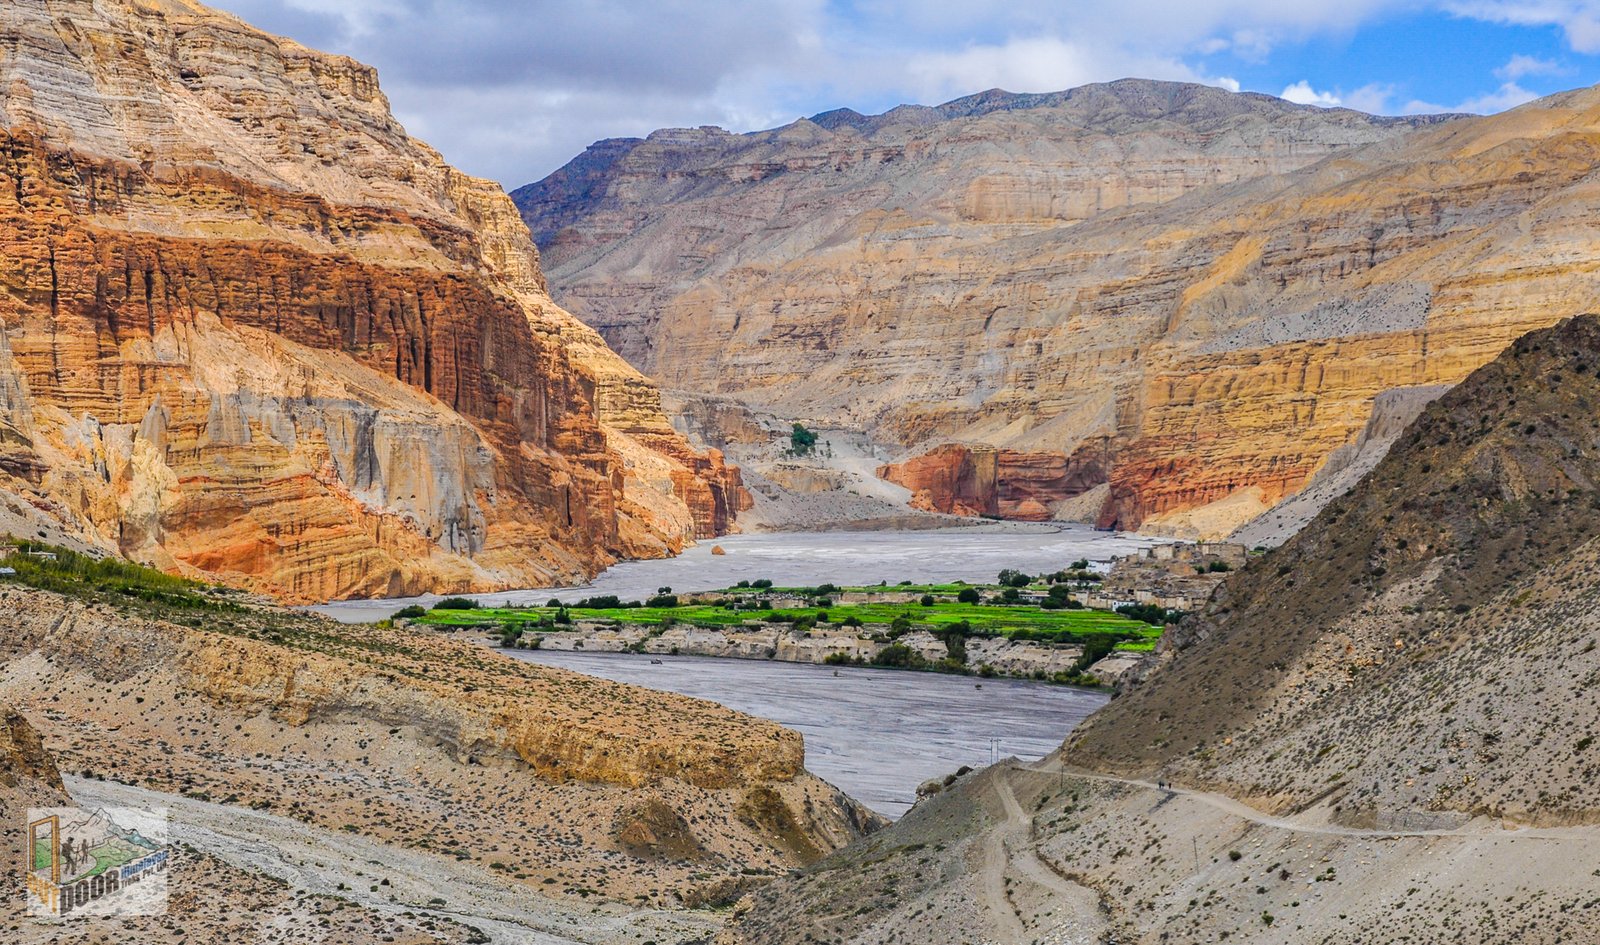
1086,624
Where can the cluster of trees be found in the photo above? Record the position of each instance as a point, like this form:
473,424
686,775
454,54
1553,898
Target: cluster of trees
1150,614
801,440
1058,598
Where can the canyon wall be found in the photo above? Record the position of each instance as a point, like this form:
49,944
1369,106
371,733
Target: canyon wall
254,332
1211,341
979,480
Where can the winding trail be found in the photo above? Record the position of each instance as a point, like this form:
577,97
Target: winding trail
1073,912
1233,808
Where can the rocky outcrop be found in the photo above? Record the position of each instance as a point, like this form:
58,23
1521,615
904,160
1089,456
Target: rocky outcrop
1219,338
952,479
977,480
256,333
24,764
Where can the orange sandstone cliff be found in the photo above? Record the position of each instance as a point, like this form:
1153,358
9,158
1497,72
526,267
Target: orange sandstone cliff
254,332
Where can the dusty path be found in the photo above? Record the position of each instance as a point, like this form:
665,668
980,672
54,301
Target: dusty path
994,860
1071,913
1244,811
342,864
1029,901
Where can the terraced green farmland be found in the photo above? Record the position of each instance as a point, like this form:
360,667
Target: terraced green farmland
1022,621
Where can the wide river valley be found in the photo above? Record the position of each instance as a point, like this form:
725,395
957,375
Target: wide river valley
801,559
876,734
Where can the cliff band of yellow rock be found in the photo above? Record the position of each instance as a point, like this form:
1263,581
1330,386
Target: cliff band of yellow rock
1193,295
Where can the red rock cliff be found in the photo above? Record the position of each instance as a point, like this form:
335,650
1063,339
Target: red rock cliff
255,332
981,480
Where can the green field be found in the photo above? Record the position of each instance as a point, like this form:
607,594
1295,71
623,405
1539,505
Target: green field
106,579
1021,621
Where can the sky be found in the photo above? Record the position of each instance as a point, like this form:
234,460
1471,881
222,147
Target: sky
513,89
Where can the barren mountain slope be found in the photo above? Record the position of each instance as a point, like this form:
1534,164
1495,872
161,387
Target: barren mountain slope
574,790
208,899
1456,572
253,330
1203,354
633,224
1383,729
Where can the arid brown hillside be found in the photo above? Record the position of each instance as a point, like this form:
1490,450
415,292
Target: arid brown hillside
421,742
1383,731
1199,343
254,331
1424,641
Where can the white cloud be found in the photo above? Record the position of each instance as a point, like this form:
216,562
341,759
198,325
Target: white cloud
1040,64
1301,93
1578,19
1508,95
1519,65
512,90
1372,98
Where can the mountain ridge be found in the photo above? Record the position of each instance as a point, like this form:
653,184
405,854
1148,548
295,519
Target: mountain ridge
1208,337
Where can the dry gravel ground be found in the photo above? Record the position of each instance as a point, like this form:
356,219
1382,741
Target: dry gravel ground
391,881
1023,855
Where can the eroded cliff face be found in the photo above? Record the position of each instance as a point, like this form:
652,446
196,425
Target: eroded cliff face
978,480
255,332
1213,342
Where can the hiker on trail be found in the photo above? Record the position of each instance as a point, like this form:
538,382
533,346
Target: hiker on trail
69,858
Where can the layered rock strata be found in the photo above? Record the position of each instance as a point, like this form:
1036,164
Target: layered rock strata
254,332
1209,343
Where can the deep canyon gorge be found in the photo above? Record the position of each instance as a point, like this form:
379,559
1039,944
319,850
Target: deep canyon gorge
1148,512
